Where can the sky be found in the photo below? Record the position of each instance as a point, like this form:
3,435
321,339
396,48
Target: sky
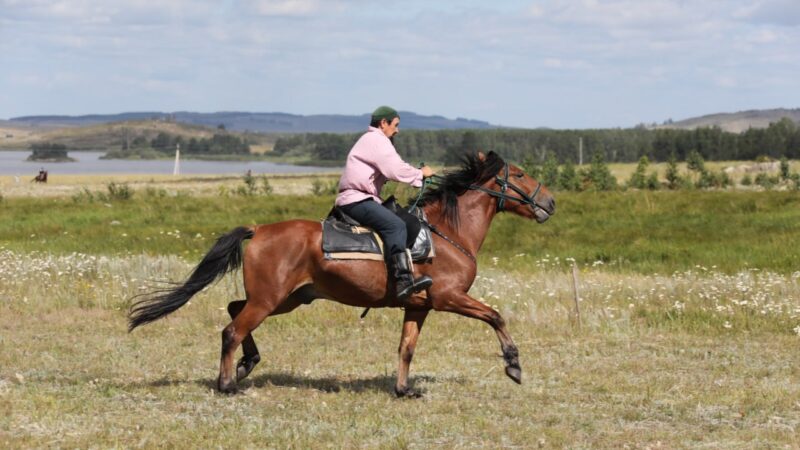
559,64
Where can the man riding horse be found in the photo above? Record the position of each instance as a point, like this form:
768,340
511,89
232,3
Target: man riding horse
371,162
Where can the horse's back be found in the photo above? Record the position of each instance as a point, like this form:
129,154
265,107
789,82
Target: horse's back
286,241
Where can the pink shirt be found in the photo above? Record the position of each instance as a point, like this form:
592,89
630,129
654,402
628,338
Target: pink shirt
371,162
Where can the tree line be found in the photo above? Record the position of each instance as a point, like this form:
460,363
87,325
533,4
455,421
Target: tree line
218,144
780,139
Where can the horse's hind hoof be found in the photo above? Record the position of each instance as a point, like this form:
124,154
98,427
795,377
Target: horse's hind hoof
515,373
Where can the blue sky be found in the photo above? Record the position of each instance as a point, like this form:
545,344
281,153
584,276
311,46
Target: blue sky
560,64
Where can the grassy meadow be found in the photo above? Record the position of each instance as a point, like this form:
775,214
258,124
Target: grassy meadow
687,333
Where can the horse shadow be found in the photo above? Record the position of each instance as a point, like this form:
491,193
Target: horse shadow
380,383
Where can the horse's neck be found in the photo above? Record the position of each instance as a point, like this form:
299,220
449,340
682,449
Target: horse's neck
475,213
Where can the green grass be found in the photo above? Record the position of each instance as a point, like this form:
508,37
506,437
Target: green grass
640,232
688,336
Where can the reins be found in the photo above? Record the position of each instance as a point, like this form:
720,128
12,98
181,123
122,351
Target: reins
524,199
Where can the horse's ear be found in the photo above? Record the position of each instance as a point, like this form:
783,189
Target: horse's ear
481,156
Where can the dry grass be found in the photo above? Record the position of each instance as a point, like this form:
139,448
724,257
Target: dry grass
197,185
635,374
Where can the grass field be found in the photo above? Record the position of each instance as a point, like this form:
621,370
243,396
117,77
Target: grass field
688,333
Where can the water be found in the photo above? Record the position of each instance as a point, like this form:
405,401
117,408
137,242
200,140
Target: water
89,163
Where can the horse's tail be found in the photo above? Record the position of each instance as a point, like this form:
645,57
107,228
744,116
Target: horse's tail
225,256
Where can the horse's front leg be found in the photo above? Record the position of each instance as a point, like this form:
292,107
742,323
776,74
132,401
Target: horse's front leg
462,303
412,325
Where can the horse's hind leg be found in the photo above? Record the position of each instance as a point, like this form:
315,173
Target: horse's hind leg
246,317
465,305
250,317
251,356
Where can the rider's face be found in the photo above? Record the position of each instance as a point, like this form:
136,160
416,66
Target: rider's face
390,129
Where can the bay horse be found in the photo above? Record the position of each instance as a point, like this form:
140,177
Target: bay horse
284,267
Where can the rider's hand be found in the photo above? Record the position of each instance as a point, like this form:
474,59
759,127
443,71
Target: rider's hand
427,172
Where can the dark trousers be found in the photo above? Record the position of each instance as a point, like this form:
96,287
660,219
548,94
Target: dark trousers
391,228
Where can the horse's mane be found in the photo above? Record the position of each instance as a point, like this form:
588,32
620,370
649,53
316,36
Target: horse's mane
473,171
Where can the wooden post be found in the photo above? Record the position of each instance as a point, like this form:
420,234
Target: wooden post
577,296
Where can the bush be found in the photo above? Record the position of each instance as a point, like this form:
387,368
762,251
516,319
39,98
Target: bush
319,187
746,180
550,171
266,188
652,182
766,181
249,187
119,191
568,178
598,177
784,168
638,179
674,179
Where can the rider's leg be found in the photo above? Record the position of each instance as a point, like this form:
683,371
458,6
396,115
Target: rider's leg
392,230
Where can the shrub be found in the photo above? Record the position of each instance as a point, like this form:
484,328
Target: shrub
638,179
746,180
266,188
550,170
568,178
319,187
674,179
766,181
598,177
531,168
249,187
784,168
119,191
652,182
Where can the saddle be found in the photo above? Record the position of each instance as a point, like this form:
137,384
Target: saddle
344,238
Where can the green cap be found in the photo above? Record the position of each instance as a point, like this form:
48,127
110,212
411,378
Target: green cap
384,112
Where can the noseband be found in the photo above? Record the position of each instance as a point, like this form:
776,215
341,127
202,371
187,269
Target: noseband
523,198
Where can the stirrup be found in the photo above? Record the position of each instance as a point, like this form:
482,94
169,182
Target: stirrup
418,285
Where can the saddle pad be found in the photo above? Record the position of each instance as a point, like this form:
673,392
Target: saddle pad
344,241
341,240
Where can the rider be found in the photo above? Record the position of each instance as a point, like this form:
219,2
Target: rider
371,162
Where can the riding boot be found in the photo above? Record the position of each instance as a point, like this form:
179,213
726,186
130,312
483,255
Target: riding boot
404,277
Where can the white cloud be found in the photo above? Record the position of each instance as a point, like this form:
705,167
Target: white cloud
288,7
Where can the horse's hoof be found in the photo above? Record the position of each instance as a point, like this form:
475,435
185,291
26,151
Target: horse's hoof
227,388
244,367
515,373
406,393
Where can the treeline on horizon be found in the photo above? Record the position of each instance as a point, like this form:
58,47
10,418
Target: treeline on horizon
164,144
780,139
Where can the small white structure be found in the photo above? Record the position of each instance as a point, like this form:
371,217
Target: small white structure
177,169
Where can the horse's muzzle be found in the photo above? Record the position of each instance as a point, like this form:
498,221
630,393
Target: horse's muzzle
543,211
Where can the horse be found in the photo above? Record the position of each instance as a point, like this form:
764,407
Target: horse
41,177
283,267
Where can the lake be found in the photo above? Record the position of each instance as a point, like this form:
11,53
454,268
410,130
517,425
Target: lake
89,163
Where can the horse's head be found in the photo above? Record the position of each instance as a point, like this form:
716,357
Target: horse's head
519,193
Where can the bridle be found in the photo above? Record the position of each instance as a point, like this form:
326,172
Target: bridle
523,198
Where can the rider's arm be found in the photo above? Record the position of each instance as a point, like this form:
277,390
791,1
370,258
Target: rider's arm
392,166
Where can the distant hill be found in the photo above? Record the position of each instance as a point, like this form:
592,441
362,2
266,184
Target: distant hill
107,136
738,121
255,122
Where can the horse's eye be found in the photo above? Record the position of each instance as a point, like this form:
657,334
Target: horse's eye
519,175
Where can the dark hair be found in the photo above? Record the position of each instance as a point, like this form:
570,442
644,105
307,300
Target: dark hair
376,122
